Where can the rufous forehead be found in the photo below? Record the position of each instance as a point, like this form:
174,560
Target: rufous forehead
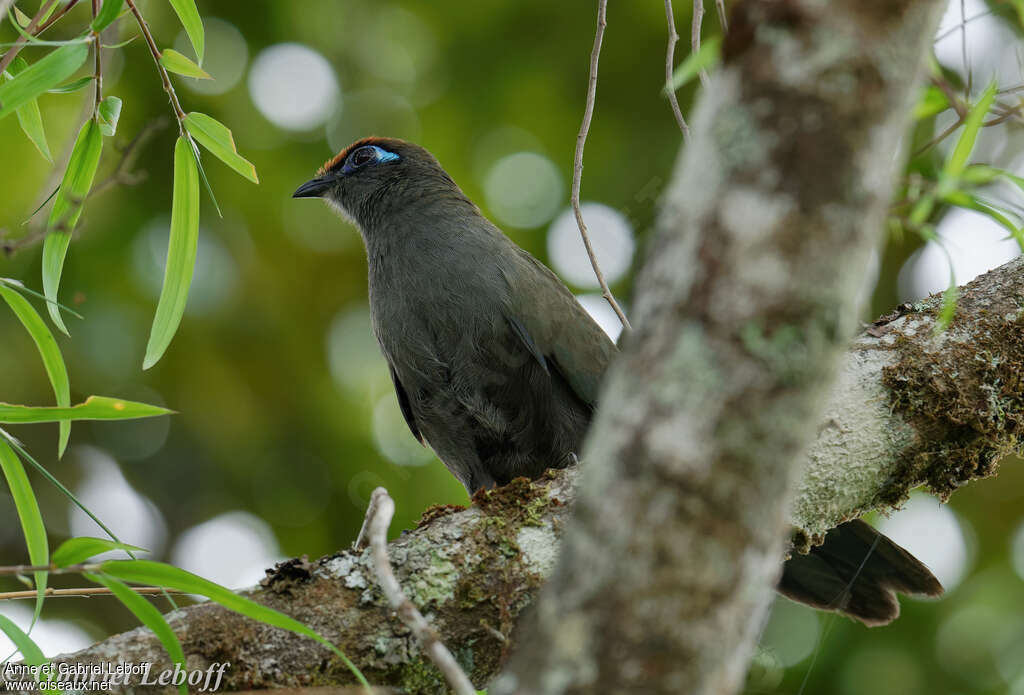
339,158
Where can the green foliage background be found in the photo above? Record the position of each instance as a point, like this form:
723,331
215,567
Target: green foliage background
262,426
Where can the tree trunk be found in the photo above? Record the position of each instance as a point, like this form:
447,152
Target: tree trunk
742,312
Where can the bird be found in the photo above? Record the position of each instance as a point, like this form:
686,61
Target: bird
497,367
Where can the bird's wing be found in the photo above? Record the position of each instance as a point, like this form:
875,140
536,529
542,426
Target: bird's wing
556,329
403,403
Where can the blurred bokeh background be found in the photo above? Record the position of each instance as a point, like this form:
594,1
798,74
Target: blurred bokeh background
286,418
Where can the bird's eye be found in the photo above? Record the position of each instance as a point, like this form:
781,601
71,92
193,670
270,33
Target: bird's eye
363,156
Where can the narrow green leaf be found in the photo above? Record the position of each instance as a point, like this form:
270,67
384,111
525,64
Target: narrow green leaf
31,654
181,253
67,208
193,23
933,101
76,550
72,86
29,117
216,138
48,350
41,76
20,287
31,520
980,174
148,616
23,19
965,200
202,177
957,161
160,574
108,114
176,62
94,408
704,59
107,14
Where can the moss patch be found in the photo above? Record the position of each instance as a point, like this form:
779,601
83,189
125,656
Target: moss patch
966,399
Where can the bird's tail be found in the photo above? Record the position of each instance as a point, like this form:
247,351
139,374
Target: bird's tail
857,571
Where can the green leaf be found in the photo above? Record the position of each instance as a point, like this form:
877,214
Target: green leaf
181,253
148,616
176,62
965,200
29,117
67,208
108,114
948,310
193,23
48,350
704,59
72,86
160,574
41,76
31,654
31,520
23,19
216,138
94,408
957,161
76,550
933,101
980,174
107,14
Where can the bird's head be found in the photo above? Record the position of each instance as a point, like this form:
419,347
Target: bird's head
375,178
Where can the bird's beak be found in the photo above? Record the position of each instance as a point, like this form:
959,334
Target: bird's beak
314,188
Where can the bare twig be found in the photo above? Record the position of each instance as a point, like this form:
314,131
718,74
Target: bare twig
14,570
577,167
164,77
953,30
723,20
19,43
695,25
56,17
122,175
382,509
670,60
963,43
83,592
98,75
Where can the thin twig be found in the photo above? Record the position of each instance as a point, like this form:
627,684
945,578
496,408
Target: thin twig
695,25
577,167
84,592
963,43
179,114
723,20
382,508
670,61
98,75
56,16
953,30
19,43
14,570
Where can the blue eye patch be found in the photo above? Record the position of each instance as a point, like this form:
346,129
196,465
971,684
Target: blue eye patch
367,155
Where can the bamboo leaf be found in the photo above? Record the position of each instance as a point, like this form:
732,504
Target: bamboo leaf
957,161
72,86
94,408
30,652
216,138
67,208
160,574
108,114
41,76
181,253
50,353
933,101
31,520
76,550
148,615
193,23
107,14
176,62
29,117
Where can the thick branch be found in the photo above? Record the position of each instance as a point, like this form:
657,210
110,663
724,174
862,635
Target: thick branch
473,571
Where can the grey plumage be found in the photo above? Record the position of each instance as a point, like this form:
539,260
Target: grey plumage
463,316
497,366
